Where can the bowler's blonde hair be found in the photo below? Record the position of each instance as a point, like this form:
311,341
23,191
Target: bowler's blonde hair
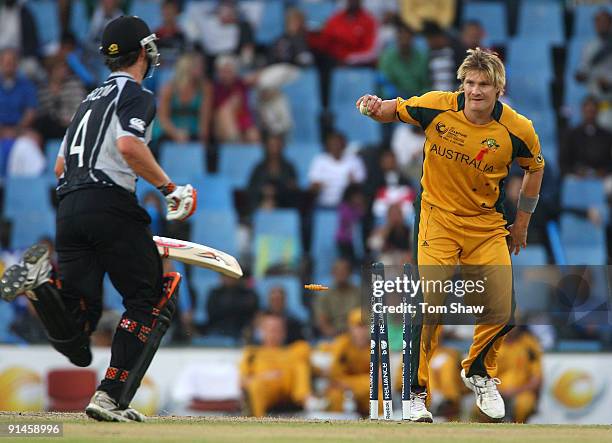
483,61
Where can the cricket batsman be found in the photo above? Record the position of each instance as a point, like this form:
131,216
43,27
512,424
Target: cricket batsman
102,229
471,141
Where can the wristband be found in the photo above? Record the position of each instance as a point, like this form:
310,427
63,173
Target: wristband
527,204
167,188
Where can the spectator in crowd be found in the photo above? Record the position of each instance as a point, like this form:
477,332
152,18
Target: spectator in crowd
472,34
185,104
26,158
403,67
105,11
445,56
292,46
73,54
392,242
273,374
519,364
407,145
596,66
349,372
58,100
17,96
19,31
332,308
388,185
349,36
416,13
172,40
232,117
231,308
277,305
221,32
274,177
350,213
332,171
587,149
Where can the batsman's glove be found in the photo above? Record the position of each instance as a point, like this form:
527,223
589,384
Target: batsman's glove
181,201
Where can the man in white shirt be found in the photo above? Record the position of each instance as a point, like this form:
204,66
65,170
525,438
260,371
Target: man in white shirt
332,171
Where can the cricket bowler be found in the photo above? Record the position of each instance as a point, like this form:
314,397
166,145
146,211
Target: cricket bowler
471,141
102,229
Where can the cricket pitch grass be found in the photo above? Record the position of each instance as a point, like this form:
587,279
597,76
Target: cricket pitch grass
78,428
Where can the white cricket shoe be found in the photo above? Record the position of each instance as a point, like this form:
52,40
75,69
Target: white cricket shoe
488,398
32,271
102,407
418,410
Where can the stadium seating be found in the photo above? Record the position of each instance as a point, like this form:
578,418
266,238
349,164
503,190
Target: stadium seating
29,227
79,21
583,193
236,162
276,236
533,255
317,12
217,229
46,15
26,195
530,58
51,150
214,192
293,291
203,282
323,245
583,18
584,243
541,20
271,23
112,297
149,11
6,318
183,160
305,102
301,156
492,16
574,91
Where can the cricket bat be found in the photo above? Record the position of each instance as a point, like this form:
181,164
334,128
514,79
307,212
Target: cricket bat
198,255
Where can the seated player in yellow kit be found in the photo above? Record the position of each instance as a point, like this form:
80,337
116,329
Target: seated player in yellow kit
350,367
520,366
273,374
471,141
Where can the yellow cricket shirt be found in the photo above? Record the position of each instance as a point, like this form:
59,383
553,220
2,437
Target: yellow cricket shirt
465,164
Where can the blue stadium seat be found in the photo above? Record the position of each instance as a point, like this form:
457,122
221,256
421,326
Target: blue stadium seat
183,160
541,20
29,227
582,193
272,22
149,11
323,244
7,314
112,298
584,243
79,21
236,161
356,128
348,84
529,57
305,101
277,239
217,229
574,91
203,283
23,194
51,150
301,155
46,15
293,291
492,16
579,346
214,192
533,255
583,18
316,12
545,124
530,92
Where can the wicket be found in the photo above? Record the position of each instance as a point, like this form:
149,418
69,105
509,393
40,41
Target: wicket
379,353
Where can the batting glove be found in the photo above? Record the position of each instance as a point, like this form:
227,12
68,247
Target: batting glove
180,200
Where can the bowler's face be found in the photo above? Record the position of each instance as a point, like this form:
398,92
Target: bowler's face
480,94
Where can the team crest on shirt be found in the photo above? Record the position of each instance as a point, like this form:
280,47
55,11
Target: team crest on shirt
488,145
